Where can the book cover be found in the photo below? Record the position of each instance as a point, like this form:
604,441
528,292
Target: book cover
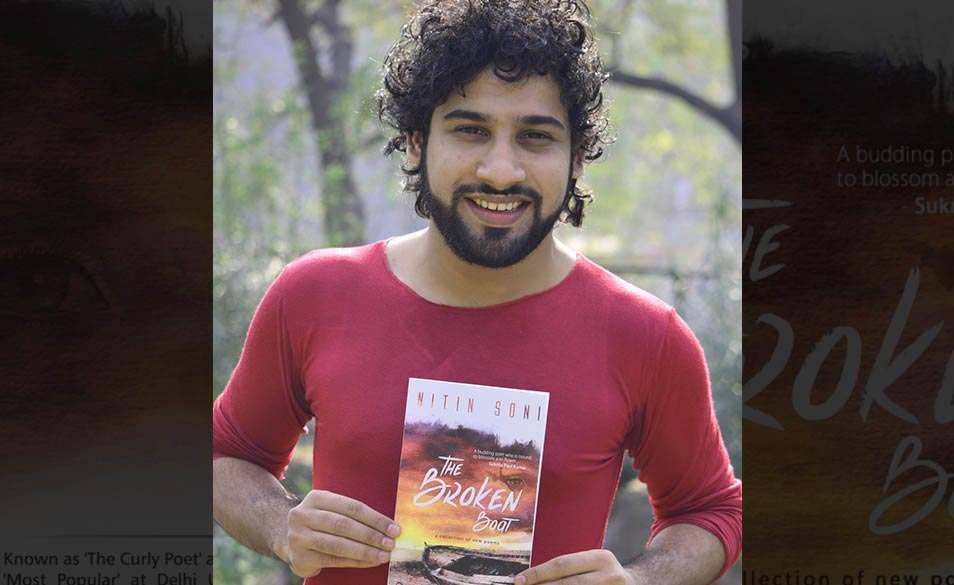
848,306
470,468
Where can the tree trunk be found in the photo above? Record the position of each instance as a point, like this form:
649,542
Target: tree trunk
343,210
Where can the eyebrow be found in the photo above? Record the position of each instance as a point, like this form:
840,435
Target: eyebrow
531,119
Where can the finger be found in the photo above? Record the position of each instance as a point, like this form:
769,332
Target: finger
334,523
562,566
308,563
342,562
342,548
584,579
594,578
352,508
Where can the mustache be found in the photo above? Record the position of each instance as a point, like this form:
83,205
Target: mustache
486,189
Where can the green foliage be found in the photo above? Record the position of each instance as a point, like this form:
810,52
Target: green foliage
259,151
236,565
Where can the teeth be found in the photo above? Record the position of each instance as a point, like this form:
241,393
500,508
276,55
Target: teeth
497,206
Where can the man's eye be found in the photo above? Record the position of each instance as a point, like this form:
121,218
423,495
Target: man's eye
470,130
536,136
46,285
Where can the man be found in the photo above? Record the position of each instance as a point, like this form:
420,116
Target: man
497,106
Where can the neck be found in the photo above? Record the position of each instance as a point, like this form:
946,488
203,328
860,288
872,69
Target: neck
424,262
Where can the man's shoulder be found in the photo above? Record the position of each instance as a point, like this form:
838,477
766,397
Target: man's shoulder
621,298
635,323
334,268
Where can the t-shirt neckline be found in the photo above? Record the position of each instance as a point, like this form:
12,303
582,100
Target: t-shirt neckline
380,253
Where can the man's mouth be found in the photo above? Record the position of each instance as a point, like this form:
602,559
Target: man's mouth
497,212
498,206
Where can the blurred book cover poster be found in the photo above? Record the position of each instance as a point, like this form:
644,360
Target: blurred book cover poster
848,302
105,273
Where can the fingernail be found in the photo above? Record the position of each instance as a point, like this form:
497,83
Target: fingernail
387,542
394,530
520,580
383,556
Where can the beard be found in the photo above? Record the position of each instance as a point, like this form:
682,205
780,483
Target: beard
493,247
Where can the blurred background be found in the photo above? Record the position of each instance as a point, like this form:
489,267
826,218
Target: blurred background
295,135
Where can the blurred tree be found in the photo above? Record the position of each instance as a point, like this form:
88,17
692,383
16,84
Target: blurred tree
728,116
326,87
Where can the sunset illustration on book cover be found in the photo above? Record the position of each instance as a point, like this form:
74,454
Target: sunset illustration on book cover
470,467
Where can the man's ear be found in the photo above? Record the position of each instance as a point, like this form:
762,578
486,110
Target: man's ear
415,147
577,170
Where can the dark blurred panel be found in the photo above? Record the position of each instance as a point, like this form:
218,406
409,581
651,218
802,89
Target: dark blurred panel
105,270
849,291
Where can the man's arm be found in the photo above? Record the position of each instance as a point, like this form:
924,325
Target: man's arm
322,530
259,418
682,554
681,457
251,505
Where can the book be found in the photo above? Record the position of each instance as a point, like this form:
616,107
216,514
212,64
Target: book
467,490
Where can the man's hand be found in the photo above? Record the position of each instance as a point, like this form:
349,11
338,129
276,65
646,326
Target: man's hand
331,530
592,567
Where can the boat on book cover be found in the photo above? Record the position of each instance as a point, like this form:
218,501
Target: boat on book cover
453,565
470,464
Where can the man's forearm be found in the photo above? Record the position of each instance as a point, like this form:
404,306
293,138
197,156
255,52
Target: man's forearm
251,505
681,554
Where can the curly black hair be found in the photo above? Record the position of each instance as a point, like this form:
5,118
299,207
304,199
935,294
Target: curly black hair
448,43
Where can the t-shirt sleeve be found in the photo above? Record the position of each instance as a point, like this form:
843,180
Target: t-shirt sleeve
678,449
261,414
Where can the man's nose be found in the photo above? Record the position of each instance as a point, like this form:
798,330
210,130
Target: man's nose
500,165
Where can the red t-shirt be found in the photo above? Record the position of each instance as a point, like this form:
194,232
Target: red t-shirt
337,336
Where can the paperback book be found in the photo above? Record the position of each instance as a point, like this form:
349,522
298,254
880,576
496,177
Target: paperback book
467,491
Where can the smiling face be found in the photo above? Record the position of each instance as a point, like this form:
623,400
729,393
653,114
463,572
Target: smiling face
496,167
